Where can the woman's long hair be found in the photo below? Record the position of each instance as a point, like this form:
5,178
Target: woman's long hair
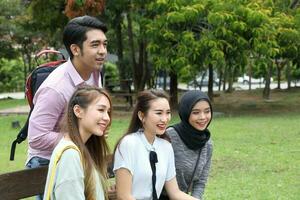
95,150
144,100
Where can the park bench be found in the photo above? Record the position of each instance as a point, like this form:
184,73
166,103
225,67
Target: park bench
127,93
28,182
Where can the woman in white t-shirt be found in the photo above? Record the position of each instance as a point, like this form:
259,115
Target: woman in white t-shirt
80,172
144,162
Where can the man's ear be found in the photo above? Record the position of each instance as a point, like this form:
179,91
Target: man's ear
141,116
75,49
78,111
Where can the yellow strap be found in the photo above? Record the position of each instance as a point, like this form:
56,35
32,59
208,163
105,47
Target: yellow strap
58,155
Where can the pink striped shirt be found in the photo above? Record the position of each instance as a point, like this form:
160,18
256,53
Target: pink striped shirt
50,102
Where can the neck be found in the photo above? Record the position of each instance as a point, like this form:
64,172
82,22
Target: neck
82,71
150,137
84,135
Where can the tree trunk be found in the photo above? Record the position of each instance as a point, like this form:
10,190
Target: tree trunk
294,4
267,89
144,66
250,74
230,78
278,66
132,52
120,63
210,92
220,80
288,75
225,78
173,89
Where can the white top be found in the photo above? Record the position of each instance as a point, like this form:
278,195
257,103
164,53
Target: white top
133,154
69,178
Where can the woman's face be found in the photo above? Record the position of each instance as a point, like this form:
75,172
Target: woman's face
95,118
200,115
157,118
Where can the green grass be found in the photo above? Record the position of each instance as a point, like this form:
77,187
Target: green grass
12,103
255,157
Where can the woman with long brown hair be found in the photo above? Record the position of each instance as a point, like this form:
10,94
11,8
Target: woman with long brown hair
77,167
144,162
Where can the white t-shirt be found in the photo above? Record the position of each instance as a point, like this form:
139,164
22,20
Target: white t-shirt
133,154
69,177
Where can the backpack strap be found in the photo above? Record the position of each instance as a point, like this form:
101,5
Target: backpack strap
22,135
53,168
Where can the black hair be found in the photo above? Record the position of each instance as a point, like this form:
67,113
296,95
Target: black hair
75,31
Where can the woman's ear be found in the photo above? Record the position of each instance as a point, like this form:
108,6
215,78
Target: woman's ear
75,49
78,111
141,116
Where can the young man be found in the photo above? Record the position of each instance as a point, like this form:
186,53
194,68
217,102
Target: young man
85,40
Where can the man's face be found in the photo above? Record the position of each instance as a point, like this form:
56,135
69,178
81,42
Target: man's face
94,50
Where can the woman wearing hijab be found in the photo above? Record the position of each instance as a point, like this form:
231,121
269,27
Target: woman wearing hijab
191,142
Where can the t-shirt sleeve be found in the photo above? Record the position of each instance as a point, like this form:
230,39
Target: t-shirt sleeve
171,172
69,184
124,157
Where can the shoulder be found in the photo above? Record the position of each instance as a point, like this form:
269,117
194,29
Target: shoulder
71,156
174,137
67,154
57,75
130,141
171,130
164,144
130,138
67,149
210,143
58,78
209,147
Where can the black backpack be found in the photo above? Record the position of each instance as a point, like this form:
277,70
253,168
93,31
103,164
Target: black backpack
33,82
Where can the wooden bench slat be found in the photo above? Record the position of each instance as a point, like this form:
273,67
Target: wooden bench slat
29,182
23,183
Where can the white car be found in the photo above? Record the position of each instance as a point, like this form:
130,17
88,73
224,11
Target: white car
245,80
202,80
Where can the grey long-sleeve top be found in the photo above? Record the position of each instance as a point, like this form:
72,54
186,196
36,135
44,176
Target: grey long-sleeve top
185,160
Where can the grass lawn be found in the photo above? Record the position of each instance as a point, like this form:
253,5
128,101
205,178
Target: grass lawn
256,146
11,103
254,157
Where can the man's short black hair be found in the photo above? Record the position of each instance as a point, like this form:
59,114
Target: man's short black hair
75,30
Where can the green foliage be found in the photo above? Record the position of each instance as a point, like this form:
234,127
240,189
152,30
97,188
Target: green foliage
11,73
49,19
9,10
111,72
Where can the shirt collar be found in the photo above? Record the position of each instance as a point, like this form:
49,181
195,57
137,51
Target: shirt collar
148,146
74,75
